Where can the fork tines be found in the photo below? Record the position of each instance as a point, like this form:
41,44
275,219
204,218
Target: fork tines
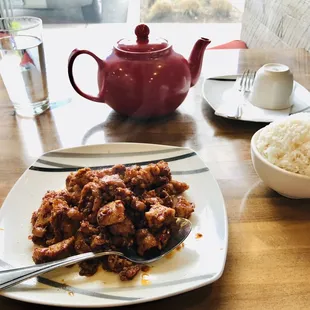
247,80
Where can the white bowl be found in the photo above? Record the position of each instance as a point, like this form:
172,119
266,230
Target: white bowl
288,184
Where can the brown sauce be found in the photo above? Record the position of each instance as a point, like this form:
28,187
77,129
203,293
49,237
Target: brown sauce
145,268
145,280
198,236
171,254
180,247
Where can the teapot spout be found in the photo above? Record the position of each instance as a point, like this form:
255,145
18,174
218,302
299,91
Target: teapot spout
196,59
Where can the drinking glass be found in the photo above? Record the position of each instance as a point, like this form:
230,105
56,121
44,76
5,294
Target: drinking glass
22,64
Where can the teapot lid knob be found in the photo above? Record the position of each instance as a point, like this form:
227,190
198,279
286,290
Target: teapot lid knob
143,43
142,32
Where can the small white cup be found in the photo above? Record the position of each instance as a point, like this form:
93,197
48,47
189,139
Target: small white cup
272,88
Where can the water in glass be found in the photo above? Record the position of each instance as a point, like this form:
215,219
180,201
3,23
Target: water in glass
22,67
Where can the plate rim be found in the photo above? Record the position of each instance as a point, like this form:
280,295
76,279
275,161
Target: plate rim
113,143
210,280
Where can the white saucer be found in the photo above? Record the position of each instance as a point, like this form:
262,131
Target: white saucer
224,98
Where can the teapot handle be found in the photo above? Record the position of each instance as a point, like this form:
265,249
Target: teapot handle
75,53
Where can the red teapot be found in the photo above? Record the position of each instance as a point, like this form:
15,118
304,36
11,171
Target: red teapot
144,78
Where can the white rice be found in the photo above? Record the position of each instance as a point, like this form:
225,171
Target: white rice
286,143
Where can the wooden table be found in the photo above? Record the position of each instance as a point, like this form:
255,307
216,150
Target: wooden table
268,261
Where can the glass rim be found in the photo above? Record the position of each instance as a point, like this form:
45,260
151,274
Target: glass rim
37,22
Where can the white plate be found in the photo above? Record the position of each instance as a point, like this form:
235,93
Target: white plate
223,97
200,262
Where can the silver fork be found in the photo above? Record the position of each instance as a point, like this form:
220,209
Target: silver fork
180,230
245,86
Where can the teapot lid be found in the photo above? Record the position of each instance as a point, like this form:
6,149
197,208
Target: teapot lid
143,44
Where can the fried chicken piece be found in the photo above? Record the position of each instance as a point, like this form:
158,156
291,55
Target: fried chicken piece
125,195
81,244
90,238
113,180
149,194
129,199
88,268
174,187
91,200
58,214
54,221
56,251
62,194
41,218
129,273
145,241
152,201
138,205
34,217
117,264
118,242
38,232
163,237
150,198
61,225
139,179
88,229
126,269
74,214
76,181
183,208
168,201
166,198
159,215
109,186
111,213
158,196
116,169
125,228
100,242
137,218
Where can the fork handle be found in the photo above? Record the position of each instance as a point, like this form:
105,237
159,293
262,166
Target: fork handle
11,277
239,111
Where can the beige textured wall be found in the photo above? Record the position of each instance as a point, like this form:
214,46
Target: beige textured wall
276,23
